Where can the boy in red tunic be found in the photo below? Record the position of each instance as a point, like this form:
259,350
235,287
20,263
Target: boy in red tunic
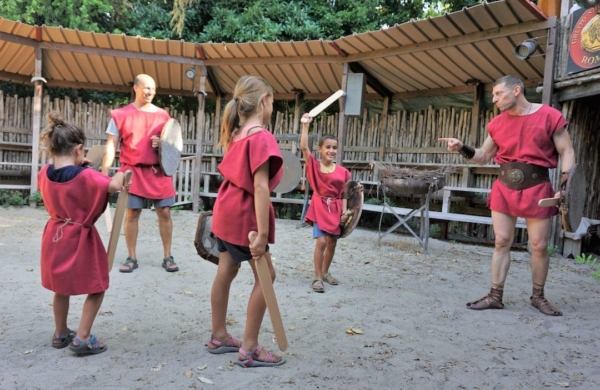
139,125
526,139
251,168
73,259
327,206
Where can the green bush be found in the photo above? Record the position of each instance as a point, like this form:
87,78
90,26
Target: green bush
36,198
12,198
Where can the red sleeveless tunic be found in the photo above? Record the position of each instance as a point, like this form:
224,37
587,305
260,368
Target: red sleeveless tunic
527,139
233,213
73,258
326,205
136,129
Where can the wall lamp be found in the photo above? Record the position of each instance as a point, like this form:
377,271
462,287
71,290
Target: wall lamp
526,48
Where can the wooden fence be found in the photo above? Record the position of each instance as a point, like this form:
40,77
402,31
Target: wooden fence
410,138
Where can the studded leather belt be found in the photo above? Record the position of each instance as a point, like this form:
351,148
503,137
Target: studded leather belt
519,176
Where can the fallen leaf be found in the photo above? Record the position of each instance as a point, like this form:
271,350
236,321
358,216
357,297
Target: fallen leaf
29,269
563,384
203,367
205,380
189,374
28,352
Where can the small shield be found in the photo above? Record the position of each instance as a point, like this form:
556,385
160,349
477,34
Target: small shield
292,172
95,155
205,241
170,147
353,192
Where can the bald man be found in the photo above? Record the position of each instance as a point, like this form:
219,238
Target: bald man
137,126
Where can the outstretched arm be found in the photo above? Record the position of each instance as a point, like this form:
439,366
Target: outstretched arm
305,121
481,155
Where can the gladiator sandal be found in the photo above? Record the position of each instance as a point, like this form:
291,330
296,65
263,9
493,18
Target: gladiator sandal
491,301
542,304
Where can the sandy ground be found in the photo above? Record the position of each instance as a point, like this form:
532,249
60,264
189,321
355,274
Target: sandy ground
417,332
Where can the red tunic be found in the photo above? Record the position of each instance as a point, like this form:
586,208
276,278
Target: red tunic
527,139
233,213
73,259
136,129
326,204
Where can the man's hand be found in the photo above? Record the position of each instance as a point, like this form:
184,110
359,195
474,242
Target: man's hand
454,144
155,141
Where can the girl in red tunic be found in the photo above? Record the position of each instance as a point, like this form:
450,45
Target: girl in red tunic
73,259
327,207
251,168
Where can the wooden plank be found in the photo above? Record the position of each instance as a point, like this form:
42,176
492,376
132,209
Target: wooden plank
36,120
115,230
200,122
550,62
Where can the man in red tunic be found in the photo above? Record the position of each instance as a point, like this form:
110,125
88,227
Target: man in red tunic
525,139
139,125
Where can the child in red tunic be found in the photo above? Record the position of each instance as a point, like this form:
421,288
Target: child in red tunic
251,168
73,259
327,207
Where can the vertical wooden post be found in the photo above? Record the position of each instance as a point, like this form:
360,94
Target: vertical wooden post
475,114
36,119
547,99
298,99
550,61
383,127
217,124
342,118
200,121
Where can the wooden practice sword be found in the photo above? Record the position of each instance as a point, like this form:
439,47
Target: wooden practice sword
326,103
266,285
118,221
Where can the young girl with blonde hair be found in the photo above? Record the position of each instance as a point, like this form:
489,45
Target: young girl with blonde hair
252,167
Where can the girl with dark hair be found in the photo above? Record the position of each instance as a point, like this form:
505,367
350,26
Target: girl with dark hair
73,259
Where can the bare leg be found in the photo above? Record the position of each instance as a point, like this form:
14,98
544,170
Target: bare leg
219,296
331,242
165,225
61,311
256,313
538,231
131,230
318,256
91,306
504,232
504,228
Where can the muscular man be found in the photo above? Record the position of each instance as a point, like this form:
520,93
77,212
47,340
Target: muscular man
138,125
525,139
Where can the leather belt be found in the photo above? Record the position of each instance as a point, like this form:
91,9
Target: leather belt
519,176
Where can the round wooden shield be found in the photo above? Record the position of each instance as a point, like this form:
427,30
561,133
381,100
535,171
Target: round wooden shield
575,197
205,241
292,172
170,147
353,192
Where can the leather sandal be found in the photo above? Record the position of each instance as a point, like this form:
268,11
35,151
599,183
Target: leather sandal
129,265
542,304
260,357
229,344
330,279
64,340
491,301
169,264
317,286
91,346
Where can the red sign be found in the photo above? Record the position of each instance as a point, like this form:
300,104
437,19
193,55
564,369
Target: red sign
584,42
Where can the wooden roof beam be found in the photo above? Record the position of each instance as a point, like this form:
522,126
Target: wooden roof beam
372,81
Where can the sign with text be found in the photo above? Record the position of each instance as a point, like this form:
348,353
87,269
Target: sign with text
584,42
